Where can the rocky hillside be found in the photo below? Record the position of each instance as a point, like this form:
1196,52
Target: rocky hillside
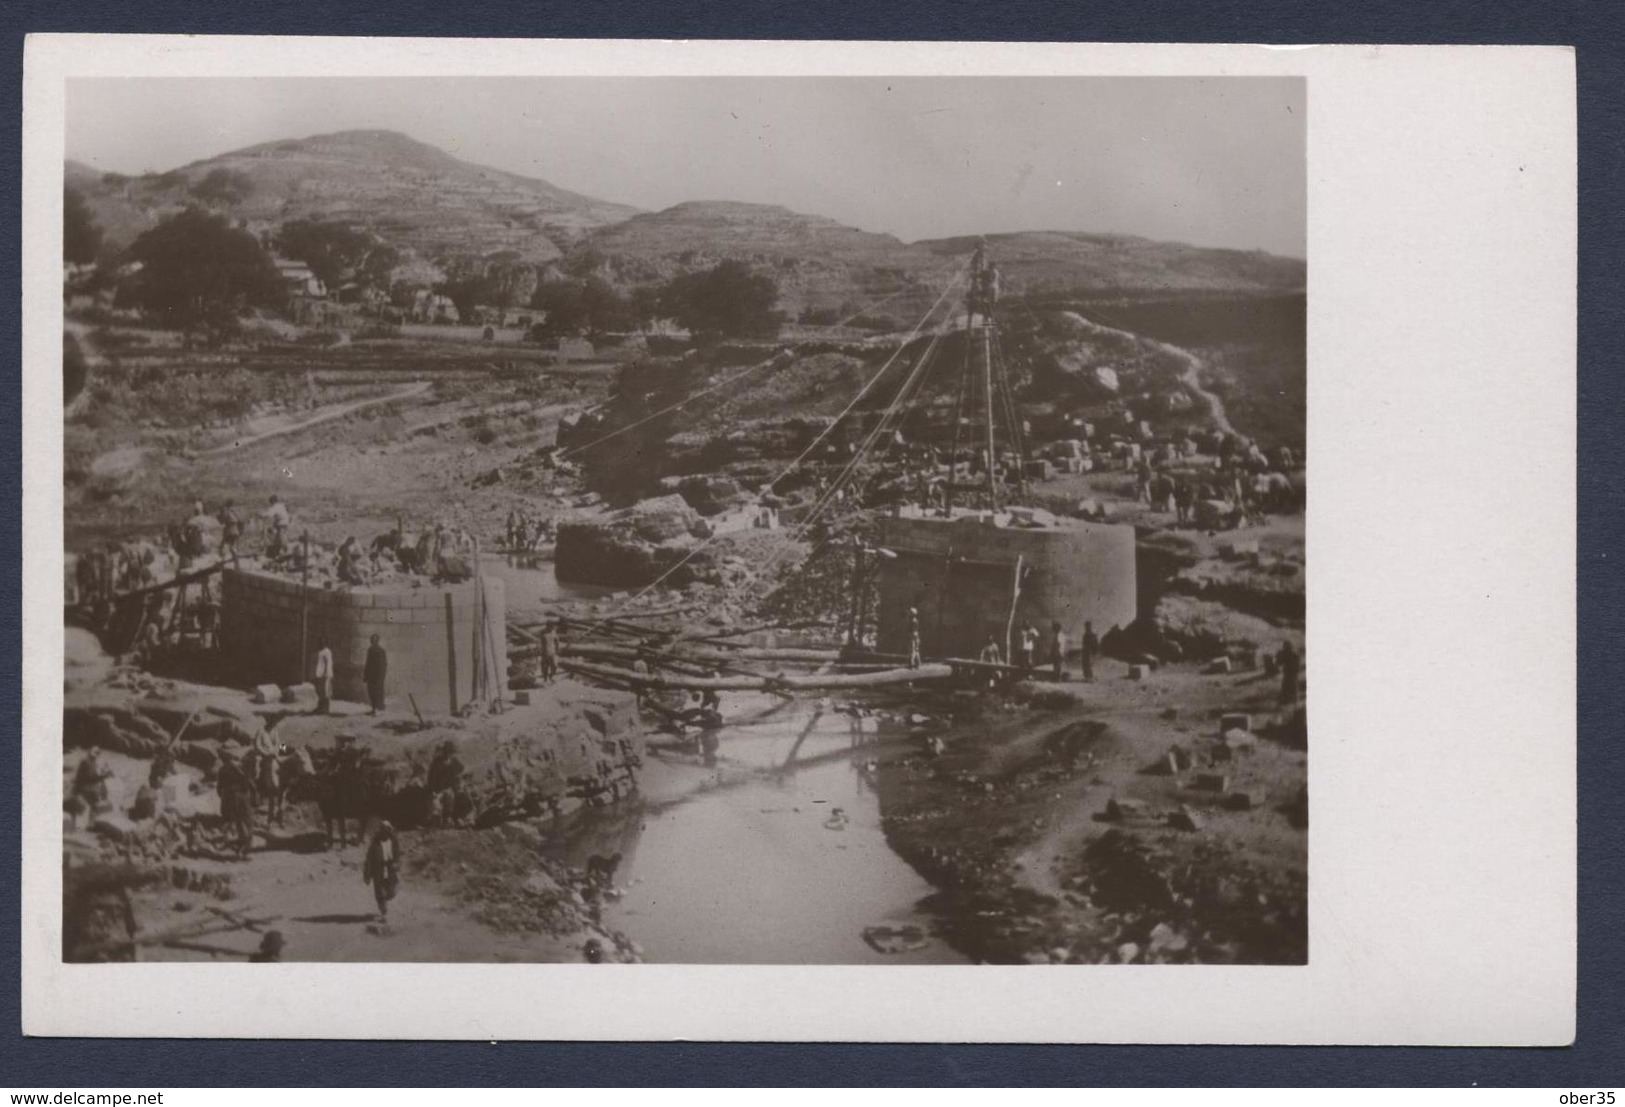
420,198
1090,264
413,195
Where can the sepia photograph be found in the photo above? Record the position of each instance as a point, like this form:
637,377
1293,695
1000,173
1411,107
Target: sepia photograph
871,530
700,519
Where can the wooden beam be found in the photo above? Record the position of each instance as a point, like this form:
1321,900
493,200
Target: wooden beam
763,684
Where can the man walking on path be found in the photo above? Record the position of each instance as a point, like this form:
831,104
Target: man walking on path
374,673
324,678
1091,645
383,867
1057,648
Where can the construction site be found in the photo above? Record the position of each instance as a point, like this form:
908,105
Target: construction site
974,636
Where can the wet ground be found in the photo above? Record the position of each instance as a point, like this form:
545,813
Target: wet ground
773,855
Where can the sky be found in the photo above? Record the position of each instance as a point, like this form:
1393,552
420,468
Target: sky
1208,161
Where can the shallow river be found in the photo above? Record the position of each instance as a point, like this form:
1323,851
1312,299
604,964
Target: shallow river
780,859
752,865
528,582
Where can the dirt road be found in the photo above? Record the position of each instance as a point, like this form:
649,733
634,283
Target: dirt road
1191,376
327,415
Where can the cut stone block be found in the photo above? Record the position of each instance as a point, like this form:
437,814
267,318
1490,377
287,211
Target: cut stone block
1120,810
1184,819
1246,799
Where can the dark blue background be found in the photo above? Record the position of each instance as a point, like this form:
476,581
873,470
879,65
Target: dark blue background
1595,1059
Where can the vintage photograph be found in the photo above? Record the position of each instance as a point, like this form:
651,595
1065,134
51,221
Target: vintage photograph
692,519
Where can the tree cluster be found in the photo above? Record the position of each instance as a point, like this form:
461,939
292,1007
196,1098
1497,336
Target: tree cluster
197,269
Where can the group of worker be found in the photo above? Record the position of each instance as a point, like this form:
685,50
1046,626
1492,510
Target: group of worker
1025,648
525,534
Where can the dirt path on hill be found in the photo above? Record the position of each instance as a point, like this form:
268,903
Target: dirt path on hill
1190,377
325,416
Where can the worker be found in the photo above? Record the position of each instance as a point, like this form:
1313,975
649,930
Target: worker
513,530
374,673
641,668
913,638
1029,645
991,653
348,561
445,775
1290,668
1184,498
1091,646
90,781
236,791
231,532
1057,648
323,678
550,651
277,519
271,947
382,868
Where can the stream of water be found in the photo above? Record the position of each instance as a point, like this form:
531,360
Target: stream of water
774,856
777,856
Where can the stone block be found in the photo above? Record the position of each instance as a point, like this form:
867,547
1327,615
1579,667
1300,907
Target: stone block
1218,665
521,699
1211,782
1138,672
1122,810
1183,818
267,693
1246,799
1239,741
1235,721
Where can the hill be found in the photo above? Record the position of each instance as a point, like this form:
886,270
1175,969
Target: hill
422,199
413,195
1037,262
816,261
826,265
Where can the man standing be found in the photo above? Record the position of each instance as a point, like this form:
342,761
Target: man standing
1091,646
1057,648
374,673
236,791
276,518
1290,667
324,678
231,532
913,638
550,651
1029,646
445,777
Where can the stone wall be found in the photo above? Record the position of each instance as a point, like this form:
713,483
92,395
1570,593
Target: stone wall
961,575
440,649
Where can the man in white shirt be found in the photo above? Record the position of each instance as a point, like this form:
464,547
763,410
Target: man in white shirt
324,678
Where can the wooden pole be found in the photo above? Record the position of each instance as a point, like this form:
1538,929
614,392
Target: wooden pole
1010,623
992,459
477,649
304,607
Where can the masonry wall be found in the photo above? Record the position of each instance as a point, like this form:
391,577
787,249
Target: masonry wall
961,576
440,651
